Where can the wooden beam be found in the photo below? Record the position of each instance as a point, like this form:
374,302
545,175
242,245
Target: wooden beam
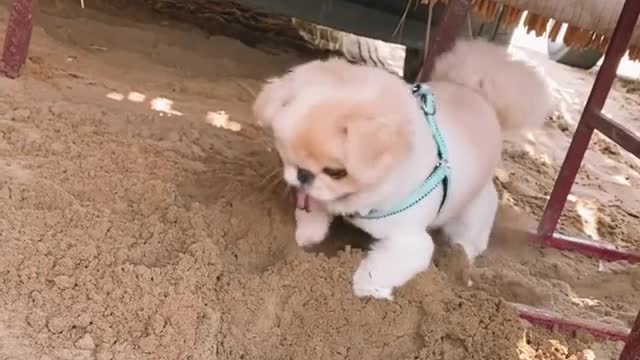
348,16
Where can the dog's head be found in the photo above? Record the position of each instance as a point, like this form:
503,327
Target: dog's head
278,92
337,128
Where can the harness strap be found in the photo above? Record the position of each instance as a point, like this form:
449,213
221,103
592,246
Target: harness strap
439,175
429,109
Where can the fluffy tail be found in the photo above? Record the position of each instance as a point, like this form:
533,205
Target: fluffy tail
517,90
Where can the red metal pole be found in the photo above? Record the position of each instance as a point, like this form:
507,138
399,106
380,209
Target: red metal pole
591,248
552,320
631,349
17,38
617,133
599,92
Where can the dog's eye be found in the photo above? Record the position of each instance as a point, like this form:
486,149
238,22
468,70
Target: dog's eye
336,174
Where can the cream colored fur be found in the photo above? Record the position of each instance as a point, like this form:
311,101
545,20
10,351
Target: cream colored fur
512,86
328,115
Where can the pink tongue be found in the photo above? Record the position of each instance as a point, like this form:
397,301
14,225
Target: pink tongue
304,201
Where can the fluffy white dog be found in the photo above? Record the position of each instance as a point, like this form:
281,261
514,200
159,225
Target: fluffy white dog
396,159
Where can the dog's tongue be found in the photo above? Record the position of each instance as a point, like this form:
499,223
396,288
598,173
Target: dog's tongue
304,201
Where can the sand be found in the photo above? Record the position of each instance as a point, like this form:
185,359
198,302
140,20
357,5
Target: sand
142,217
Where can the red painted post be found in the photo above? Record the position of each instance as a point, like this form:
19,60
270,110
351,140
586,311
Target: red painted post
599,92
17,38
631,350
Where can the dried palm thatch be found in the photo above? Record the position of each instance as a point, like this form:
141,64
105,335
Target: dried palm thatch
590,23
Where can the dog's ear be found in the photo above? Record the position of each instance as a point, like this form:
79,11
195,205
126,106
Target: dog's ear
280,91
271,98
373,144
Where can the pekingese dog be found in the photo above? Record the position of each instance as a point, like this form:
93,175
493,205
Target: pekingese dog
397,159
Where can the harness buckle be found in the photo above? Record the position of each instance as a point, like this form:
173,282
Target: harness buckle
444,163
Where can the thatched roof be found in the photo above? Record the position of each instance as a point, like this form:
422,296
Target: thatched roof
590,22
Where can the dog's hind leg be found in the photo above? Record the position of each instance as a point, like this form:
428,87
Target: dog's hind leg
472,227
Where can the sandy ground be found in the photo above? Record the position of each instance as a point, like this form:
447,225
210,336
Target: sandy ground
141,217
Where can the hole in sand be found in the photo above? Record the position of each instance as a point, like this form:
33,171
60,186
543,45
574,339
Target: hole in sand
342,235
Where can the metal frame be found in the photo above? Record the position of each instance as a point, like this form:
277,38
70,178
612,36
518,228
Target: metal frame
15,50
631,349
591,119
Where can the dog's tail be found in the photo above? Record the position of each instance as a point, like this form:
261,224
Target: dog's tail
517,90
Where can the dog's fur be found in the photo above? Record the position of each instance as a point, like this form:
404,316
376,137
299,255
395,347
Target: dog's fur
336,115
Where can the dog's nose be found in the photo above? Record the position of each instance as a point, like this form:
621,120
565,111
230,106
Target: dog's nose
305,176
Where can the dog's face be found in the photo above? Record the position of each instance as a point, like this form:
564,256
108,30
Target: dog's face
332,145
338,149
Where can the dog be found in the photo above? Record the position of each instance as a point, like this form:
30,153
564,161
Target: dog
397,160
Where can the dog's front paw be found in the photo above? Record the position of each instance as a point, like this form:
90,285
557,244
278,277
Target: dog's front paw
311,227
365,284
308,234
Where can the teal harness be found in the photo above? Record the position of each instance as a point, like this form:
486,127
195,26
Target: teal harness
439,175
